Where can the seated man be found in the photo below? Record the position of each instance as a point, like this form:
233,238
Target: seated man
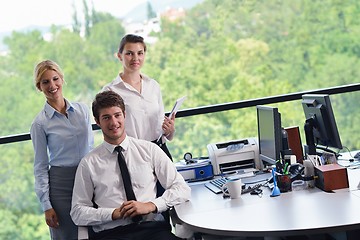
99,181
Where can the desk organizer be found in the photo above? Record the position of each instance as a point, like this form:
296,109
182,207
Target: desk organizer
331,177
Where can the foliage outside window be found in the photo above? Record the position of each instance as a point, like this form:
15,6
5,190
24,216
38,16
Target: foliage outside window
218,52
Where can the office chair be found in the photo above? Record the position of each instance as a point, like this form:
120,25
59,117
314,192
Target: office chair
85,231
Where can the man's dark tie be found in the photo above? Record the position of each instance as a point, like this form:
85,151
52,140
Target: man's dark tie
126,179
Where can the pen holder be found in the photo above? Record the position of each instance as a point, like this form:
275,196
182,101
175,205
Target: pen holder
284,182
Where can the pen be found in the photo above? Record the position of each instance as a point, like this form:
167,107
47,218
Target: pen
286,170
278,166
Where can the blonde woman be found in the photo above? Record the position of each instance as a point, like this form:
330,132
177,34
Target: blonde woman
61,135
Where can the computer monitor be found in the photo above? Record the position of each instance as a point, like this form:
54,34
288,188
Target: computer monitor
270,134
320,127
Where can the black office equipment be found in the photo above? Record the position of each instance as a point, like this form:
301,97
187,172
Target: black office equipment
273,142
320,126
296,171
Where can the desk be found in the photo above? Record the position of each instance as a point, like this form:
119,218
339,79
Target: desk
309,211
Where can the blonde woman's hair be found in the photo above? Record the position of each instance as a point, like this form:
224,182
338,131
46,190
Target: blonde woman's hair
41,67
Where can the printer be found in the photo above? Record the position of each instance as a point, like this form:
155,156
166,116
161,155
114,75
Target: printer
227,157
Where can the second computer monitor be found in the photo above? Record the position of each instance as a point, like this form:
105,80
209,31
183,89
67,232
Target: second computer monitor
320,127
269,134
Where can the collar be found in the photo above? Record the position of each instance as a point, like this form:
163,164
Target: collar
50,111
124,144
119,80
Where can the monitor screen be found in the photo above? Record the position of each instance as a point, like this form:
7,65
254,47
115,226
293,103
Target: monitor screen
320,126
269,134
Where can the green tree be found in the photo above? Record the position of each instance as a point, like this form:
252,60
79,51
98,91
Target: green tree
76,24
222,51
150,11
87,16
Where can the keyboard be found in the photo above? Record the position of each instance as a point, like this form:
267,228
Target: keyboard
215,186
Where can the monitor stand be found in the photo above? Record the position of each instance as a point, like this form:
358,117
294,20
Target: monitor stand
309,172
325,149
323,156
311,147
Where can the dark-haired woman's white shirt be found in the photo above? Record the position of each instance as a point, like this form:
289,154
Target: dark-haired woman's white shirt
144,111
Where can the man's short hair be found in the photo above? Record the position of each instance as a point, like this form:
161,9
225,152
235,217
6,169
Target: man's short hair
106,99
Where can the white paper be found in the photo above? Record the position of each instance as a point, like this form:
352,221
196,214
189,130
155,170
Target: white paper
181,165
175,109
177,106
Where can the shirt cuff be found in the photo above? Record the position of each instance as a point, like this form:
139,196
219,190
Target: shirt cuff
160,204
46,205
170,136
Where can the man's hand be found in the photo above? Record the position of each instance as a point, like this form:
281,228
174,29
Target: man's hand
132,209
51,218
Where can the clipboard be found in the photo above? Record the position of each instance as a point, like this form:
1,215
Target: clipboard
175,109
177,106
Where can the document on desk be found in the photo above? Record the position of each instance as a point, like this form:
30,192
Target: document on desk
181,165
241,175
348,164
